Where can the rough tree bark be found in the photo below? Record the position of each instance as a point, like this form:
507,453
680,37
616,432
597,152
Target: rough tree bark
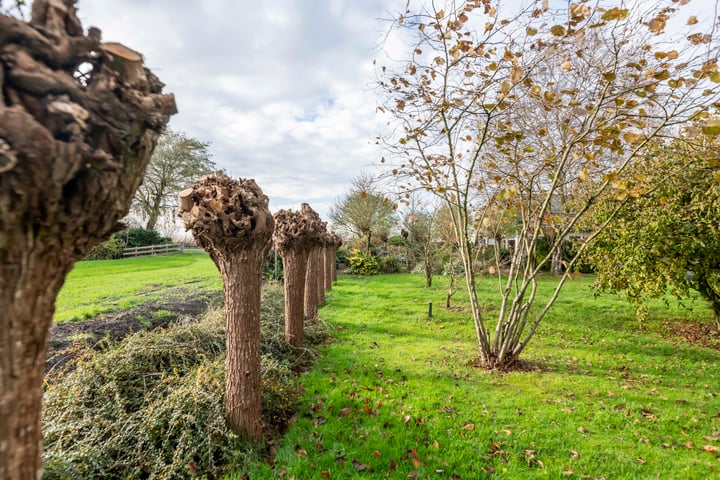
320,259
74,145
231,220
328,260
312,298
295,233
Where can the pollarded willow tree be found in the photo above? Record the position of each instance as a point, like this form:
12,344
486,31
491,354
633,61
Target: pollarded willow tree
330,247
78,123
534,116
313,276
231,220
296,233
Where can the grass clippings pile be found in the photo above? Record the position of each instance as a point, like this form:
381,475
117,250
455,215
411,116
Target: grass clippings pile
153,405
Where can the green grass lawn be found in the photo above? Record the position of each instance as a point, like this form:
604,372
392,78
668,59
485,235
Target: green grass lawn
100,286
396,394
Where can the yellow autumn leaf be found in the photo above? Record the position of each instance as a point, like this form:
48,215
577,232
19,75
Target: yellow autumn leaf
656,25
558,30
715,77
663,75
583,174
615,13
548,96
632,137
516,74
692,20
711,127
566,66
672,54
531,31
440,14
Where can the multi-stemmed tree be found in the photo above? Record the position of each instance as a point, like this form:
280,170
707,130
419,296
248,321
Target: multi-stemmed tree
231,220
364,210
78,123
535,115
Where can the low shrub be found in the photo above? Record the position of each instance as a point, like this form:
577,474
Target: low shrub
107,250
362,264
140,237
389,264
153,405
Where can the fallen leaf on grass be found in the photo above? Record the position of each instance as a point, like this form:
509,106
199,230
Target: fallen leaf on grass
641,461
532,459
360,466
711,448
469,426
392,465
325,474
574,454
377,453
345,412
319,421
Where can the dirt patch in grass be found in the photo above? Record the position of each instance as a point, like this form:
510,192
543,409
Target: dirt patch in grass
178,305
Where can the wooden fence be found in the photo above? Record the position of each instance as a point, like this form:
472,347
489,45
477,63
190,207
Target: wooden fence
165,249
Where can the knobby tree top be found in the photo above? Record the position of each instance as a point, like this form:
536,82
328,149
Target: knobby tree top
297,229
226,215
78,120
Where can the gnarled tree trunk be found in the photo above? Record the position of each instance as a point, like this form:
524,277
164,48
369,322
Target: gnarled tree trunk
327,261
231,220
320,279
74,145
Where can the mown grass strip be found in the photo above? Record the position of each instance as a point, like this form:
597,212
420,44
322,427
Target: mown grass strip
397,396
95,287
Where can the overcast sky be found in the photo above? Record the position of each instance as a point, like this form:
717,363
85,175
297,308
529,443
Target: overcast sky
281,89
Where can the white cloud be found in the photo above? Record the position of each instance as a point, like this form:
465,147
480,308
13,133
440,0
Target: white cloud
280,89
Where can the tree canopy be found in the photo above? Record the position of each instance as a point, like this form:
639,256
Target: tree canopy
668,239
177,162
364,210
